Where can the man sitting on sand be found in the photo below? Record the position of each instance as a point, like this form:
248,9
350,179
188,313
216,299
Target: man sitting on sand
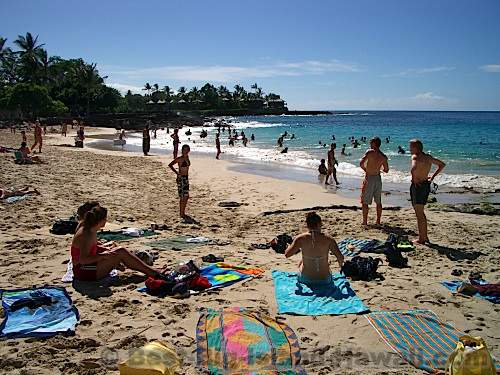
421,164
372,162
316,248
91,265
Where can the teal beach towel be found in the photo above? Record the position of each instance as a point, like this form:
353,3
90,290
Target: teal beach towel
336,298
28,314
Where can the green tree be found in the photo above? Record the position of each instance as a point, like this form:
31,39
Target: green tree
34,100
29,56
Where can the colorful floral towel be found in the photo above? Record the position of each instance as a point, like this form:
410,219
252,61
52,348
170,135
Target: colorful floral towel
238,341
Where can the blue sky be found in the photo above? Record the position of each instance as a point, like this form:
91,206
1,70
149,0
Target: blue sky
352,54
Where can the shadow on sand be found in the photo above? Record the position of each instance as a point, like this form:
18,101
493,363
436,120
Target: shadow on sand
102,288
456,254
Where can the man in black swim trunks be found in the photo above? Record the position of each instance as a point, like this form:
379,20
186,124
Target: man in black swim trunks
421,164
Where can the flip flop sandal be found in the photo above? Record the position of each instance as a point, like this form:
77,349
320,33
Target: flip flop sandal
211,258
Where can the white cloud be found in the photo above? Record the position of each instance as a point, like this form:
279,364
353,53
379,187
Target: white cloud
491,68
123,88
429,97
421,101
222,73
421,71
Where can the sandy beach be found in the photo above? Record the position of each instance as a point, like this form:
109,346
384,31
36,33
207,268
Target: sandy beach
139,190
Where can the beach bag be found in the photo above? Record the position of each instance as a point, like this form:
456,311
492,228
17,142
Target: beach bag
393,253
154,358
361,268
471,357
64,226
281,242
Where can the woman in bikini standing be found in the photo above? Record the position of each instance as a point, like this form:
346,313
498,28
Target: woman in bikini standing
175,138
183,163
315,247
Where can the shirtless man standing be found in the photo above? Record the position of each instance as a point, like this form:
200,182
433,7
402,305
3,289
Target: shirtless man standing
421,164
372,163
332,161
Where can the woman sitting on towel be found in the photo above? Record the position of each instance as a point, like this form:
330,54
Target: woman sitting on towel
315,247
91,265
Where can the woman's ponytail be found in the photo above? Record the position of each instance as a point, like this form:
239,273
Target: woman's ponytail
94,216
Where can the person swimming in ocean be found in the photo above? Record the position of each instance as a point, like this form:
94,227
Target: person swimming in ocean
280,141
401,150
316,248
252,137
285,150
342,152
293,136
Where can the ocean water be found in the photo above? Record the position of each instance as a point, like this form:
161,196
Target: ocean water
468,142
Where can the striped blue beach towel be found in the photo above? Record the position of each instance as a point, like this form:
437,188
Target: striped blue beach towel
418,336
360,246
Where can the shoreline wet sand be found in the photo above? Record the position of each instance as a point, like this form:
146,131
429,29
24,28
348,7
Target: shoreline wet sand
139,190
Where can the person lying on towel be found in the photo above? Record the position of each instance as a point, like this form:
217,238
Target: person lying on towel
316,248
4,193
89,264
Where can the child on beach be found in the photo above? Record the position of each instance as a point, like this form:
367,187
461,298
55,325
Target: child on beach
316,248
26,157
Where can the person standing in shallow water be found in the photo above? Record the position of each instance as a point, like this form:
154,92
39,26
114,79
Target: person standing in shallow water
332,162
217,145
146,140
182,173
175,137
421,165
371,163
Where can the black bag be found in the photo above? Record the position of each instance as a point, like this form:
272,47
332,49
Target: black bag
281,242
393,254
362,268
64,226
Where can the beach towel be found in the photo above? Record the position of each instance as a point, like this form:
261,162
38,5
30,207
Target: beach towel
69,276
360,246
124,234
16,198
179,243
239,341
334,298
418,336
223,274
37,312
455,284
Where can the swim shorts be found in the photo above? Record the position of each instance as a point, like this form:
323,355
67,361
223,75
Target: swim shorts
183,186
371,189
420,193
85,272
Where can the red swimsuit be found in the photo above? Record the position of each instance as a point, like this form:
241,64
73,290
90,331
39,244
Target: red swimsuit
85,272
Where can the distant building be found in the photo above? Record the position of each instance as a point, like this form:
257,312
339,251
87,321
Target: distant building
255,103
276,104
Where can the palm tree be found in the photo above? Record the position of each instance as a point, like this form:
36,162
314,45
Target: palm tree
147,87
4,51
181,92
44,62
29,54
90,79
167,92
259,92
156,87
193,94
254,86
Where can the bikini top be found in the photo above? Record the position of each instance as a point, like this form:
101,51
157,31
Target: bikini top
316,260
185,164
